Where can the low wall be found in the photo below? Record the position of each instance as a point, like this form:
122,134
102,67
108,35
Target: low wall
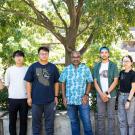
62,125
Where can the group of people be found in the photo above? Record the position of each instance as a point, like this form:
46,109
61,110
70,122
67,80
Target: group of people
38,87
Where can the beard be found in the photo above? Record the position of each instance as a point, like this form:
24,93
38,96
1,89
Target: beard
105,58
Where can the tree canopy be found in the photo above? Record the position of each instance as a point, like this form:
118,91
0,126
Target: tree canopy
76,24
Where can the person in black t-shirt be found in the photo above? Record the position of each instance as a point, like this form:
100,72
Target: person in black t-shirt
42,90
126,100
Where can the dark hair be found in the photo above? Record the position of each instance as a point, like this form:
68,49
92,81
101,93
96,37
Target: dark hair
18,53
46,49
128,56
104,47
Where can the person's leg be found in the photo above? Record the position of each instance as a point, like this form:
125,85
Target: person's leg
122,115
37,111
49,114
84,111
72,111
13,109
101,106
23,111
131,118
111,116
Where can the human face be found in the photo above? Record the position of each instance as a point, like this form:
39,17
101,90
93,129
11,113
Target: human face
75,59
127,64
104,54
19,60
43,55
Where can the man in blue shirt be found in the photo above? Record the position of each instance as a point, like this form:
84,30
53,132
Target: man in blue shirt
42,90
76,84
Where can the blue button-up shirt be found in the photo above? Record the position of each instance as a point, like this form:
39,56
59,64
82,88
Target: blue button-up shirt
76,80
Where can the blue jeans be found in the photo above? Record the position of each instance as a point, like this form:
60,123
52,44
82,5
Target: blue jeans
49,115
126,117
84,111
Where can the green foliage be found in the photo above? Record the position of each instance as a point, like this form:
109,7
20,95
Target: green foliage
110,19
60,105
92,54
4,99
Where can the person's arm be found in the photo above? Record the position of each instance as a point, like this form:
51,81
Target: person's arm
29,77
28,89
63,88
113,85
85,98
102,95
115,82
88,89
131,94
62,79
7,78
1,85
56,87
97,87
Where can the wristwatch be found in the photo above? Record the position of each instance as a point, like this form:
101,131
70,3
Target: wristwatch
128,100
106,93
86,94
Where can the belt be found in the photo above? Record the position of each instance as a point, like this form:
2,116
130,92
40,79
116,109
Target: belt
124,94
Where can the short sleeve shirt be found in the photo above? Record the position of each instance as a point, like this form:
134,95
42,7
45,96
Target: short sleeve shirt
126,80
76,80
42,78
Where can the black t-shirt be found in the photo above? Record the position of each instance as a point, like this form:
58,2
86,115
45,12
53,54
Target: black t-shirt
43,78
126,80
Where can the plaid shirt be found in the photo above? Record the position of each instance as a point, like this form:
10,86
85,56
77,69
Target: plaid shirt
76,81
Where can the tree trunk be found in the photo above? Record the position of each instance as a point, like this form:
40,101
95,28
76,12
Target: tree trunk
67,57
68,50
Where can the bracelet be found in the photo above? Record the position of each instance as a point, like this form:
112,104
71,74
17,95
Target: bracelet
128,100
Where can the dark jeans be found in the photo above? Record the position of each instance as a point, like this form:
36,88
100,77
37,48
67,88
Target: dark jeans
84,112
16,105
49,114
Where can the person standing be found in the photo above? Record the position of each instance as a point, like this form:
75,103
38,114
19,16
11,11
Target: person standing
105,81
42,90
17,97
126,99
76,84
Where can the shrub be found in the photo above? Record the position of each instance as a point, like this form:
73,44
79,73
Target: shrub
4,99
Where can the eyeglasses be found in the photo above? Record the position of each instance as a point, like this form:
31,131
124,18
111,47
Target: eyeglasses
73,57
43,54
126,61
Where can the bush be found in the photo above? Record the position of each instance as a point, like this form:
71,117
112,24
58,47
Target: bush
4,99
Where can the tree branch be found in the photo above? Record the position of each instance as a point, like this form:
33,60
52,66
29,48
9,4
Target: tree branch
89,40
59,15
79,11
18,13
83,30
45,20
40,15
72,12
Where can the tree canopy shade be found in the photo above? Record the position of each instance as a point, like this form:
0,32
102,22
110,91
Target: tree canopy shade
76,23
